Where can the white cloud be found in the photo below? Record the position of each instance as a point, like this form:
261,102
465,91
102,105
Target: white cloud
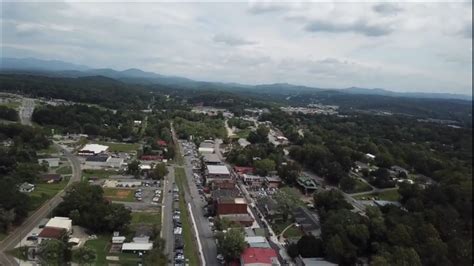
399,46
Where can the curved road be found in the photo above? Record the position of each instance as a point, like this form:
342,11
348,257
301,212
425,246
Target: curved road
34,219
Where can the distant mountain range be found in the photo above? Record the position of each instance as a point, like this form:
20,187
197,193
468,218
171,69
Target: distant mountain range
64,69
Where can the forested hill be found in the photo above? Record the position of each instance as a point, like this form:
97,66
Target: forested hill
95,90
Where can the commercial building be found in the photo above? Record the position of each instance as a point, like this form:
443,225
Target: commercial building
272,181
92,149
211,158
206,147
307,183
253,181
216,172
49,233
60,222
134,247
259,257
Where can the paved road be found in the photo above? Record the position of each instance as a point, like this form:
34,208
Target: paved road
33,220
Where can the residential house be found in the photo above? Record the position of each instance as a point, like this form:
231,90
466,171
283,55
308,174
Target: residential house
253,181
26,187
49,233
272,182
51,178
51,162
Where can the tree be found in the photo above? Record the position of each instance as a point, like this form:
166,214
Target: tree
53,252
309,246
289,172
287,200
231,244
335,249
265,166
259,136
292,250
330,200
348,184
159,171
133,168
84,255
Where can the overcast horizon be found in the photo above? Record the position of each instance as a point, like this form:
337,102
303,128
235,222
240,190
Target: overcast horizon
410,47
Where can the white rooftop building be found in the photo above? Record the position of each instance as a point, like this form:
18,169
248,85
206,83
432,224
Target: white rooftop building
137,246
91,149
60,222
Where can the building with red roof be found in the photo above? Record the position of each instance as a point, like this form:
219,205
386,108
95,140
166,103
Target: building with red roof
52,233
161,143
244,170
259,256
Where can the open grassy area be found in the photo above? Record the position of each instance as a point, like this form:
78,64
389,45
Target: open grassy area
152,218
118,194
292,232
190,249
120,147
101,245
64,170
44,192
360,186
103,174
19,252
390,195
243,133
50,150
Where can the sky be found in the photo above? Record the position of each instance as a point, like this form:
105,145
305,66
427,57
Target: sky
403,46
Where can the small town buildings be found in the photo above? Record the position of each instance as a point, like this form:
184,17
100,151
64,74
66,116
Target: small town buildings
272,182
114,162
268,207
206,147
60,222
92,149
240,170
226,183
243,219
307,183
253,181
151,157
231,206
211,158
49,233
51,178
98,160
51,162
216,172
136,247
257,242
259,257
26,187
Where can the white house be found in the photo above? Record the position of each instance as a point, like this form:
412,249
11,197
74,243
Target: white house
370,156
26,187
60,222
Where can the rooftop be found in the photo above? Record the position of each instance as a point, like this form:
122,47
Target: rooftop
52,232
272,179
211,158
308,221
259,256
137,246
225,194
95,148
217,170
307,182
60,222
97,158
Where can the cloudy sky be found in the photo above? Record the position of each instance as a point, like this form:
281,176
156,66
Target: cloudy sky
398,46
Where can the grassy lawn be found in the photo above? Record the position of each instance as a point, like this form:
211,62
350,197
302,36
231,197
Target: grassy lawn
292,232
190,249
44,192
360,186
101,245
120,147
243,133
390,195
12,104
118,194
153,218
98,173
19,252
64,170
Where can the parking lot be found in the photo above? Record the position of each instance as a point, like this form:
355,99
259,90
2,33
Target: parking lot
135,194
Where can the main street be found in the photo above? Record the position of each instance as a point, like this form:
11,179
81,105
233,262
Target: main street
205,234
167,214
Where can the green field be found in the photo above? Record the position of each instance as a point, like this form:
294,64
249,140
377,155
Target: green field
152,218
190,249
50,150
292,232
101,245
44,192
64,170
243,133
118,194
102,174
120,147
390,195
360,186
13,104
